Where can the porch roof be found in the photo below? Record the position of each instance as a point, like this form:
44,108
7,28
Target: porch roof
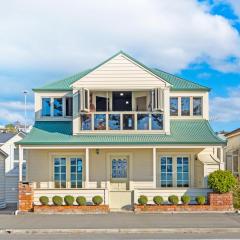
183,132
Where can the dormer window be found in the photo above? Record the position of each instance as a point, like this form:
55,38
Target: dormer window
46,107
57,107
197,106
185,103
173,106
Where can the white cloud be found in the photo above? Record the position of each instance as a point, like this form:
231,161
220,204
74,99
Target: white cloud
17,105
8,116
226,109
73,35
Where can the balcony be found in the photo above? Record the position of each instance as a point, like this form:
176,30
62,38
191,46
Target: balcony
117,121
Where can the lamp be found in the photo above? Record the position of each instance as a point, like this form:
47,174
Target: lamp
97,151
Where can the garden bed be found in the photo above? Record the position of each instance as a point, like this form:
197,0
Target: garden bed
71,209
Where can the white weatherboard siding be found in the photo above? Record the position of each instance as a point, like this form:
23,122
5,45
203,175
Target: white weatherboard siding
2,182
11,189
120,73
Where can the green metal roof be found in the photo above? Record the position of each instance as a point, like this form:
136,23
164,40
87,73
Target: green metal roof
177,83
183,132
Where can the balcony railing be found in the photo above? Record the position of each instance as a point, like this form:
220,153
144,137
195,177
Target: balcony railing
116,121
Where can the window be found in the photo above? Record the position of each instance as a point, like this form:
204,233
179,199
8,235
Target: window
174,106
60,172
99,121
86,122
114,122
157,121
142,121
76,172
182,172
57,107
197,106
119,168
128,122
46,107
185,103
69,106
166,171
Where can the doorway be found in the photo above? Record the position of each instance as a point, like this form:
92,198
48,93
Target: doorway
122,101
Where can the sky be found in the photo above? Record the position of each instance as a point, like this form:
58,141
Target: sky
43,41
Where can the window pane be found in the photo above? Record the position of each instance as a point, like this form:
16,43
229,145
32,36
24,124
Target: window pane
114,122
166,168
99,121
119,168
57,107
128,122
185,103
60,172
86,122
69,107
197,106
173,106
157,121
46,107
182,172
76,172
142,121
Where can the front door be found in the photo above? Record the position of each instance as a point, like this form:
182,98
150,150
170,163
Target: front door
119,173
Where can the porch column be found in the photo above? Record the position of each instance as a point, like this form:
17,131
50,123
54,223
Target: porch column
222,166
154,168
87,168
20,162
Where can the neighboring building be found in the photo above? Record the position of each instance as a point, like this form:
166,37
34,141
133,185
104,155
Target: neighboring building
232,151
21,127
121,130
10,170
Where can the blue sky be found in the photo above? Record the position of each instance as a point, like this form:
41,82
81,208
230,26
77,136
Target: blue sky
43,41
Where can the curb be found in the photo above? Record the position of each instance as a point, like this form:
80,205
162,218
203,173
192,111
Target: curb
120,230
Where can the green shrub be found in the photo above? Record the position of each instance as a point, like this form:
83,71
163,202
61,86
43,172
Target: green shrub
185,199
44,200
173,199
158,200
69,200
201,200
81,201
97,200
236,196
57,200
222,181
142,200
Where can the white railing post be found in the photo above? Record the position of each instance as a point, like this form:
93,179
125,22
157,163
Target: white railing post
87,168
20,162
154,168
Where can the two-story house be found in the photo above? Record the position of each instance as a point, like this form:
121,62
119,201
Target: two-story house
120,130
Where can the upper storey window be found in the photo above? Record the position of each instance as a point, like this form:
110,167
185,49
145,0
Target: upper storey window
173,106
197,106
46,107
185,104
57,107
69,106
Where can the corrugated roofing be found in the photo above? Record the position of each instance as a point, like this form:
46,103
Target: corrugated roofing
4,137
177,83
182,132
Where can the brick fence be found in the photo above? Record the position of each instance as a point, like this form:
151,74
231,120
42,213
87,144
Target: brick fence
25,197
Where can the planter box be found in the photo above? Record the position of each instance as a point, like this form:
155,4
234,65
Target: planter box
180,208
71,209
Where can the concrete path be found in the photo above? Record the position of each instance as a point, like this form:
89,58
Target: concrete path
122,221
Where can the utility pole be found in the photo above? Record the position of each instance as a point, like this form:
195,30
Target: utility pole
25,92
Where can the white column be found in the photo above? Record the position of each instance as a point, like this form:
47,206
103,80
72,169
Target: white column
222,165
87,168
154,168
20,162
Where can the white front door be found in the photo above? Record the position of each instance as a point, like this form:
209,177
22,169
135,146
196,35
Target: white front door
119,172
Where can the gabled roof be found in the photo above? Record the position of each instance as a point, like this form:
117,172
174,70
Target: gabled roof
4,137
184,132
177,83
234,132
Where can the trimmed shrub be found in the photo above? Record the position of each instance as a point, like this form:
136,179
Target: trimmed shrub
69,200
173,199
44,200
142,200
236,196
57,200
158,200
97,200
185,199
81,201
201,200
222,181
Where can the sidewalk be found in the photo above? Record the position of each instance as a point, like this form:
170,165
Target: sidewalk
121,222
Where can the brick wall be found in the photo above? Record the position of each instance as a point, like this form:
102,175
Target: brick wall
224,199
25,197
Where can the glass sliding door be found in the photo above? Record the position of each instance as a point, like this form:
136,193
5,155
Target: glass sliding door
76,172
60,172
